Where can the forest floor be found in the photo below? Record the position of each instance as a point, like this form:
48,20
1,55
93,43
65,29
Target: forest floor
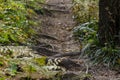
57,25
54,40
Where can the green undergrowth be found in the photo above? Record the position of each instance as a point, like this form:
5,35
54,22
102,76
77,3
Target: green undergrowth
87,34
16,66
17,20
85,10
23,68
86,15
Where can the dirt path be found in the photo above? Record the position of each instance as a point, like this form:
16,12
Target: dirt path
59,25
55,34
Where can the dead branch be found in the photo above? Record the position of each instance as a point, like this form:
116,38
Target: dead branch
67,54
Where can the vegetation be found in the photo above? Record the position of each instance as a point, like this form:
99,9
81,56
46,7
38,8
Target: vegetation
16,22
89,35
13,64
85,10
18,26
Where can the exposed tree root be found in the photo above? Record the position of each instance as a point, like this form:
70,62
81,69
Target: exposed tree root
47,36
57,10
67,54
44,51
47,52
50,4
46,45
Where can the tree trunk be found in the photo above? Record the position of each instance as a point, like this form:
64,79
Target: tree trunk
109,22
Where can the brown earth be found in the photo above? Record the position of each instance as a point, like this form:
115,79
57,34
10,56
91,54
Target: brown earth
57,25
55,36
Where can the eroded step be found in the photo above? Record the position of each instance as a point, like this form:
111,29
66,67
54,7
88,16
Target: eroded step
56,10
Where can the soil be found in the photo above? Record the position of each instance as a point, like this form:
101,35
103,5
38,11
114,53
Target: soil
59,25
56,30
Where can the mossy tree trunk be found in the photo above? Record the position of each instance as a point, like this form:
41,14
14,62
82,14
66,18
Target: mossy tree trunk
109,22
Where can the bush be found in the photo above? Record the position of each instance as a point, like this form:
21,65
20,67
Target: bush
86,14
16,21
85,10
87,34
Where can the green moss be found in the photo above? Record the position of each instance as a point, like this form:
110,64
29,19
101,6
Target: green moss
40,61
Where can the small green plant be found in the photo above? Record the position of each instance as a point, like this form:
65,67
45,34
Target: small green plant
2,78
29,69
12,69
86,32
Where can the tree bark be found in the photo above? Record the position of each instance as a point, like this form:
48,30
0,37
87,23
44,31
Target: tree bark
109,22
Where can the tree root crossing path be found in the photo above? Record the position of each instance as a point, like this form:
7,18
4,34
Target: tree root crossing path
55,40
57,26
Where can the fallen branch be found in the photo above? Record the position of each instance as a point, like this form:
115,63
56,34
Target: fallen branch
67,54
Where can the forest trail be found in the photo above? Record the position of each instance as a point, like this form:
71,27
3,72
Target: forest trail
54,36
58,24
